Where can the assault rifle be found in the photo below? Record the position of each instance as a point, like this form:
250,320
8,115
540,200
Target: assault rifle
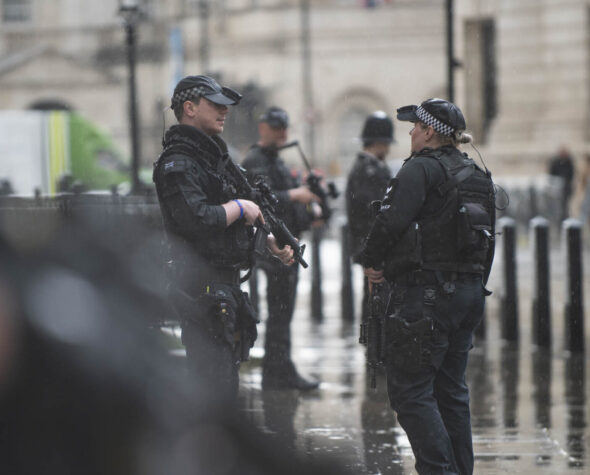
313,181
263,196
373,332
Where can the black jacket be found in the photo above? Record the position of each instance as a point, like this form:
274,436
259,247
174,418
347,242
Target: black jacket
192,185
367,182
266,162
416,216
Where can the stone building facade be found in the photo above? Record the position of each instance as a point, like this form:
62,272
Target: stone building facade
523,78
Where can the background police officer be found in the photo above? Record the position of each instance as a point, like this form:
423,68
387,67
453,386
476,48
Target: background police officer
434,234
210,230
367,182
278,370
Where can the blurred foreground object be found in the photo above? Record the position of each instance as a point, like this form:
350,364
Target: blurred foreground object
86,387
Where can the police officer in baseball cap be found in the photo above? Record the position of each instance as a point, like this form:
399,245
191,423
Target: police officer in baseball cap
209,224
294,199
432,240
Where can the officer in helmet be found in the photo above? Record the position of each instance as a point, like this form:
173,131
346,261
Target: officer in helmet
210,230
432,240
367,182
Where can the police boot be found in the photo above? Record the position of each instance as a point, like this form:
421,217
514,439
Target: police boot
285,377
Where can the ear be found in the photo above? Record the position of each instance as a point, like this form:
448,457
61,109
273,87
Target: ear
189,108
429,133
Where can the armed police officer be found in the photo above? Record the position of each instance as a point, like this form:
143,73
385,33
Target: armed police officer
366,183
295,206
433,241
211,231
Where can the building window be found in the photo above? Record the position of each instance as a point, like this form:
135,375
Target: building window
15,11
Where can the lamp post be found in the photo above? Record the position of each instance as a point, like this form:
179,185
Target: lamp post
452,62
129,10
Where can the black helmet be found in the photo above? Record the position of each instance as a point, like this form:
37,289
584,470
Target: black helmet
378,128
276,117
192,87
443,116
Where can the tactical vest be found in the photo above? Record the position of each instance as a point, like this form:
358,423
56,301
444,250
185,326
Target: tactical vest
458,235
231,248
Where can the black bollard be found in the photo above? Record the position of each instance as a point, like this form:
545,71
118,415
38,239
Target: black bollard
574,301
533,201
347,294
509,306
541,288
316,277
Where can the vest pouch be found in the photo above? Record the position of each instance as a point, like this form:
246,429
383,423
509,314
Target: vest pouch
406,255
474,228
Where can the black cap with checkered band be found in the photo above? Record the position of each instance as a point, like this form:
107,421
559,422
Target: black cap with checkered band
443,116
193,87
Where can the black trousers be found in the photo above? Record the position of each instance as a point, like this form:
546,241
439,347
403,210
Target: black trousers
281,292
221,321
426,375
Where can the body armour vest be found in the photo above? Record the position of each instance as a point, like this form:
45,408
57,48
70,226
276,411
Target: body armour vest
199,158
459,235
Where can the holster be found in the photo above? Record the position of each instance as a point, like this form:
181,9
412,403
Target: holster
410,343
246,333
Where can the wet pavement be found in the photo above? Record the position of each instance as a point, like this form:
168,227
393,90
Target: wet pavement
528,406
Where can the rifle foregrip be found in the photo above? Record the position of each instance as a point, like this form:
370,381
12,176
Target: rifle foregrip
284,237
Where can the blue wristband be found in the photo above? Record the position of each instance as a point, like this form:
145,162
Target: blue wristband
241,209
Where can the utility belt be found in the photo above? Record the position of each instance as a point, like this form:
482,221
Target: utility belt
221,310
217,275
194,274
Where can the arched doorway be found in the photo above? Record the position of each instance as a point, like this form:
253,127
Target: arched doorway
345,124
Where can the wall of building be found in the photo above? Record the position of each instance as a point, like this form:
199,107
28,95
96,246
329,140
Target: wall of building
543,83
362,60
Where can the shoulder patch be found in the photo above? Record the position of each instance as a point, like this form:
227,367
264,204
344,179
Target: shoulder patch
175,164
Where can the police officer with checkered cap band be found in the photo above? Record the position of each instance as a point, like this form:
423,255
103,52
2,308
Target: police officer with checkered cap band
210,229
367,181
294,199
432,240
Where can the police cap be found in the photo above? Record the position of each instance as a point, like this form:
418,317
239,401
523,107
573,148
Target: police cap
276,117
193,87
443,116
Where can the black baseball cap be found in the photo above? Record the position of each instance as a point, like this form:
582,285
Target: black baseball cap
276,117
444,116
193,87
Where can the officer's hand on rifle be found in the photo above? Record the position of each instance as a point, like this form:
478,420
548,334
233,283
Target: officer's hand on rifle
285,254
240,208
374,276
303,195
316,212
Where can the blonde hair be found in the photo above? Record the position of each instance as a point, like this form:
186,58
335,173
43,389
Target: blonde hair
458,137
